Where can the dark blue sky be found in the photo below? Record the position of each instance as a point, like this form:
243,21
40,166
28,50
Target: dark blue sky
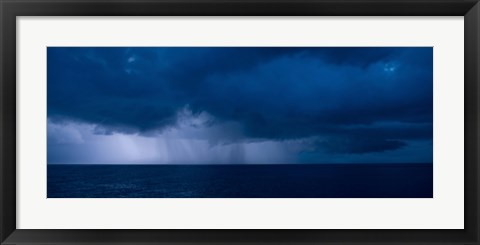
240,105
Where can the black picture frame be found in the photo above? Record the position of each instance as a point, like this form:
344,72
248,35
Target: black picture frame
10,9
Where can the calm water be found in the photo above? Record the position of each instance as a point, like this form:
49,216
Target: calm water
241,181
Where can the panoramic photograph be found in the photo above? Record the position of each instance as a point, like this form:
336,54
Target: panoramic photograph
239,122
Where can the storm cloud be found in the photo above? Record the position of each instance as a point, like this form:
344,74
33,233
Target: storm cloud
349,101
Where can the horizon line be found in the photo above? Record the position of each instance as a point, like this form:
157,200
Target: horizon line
209,164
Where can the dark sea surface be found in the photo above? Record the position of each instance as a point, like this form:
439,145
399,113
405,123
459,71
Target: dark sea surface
241,181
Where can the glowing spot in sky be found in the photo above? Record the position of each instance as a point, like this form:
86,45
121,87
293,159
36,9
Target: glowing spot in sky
131,59
389,67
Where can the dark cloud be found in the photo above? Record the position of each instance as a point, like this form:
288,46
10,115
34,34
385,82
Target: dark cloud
362,99
357,145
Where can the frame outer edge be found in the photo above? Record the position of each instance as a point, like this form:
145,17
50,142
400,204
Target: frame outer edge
2,81
8,15
8,121
472,120
477,79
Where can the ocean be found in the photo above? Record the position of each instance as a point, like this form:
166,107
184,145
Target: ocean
241,181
